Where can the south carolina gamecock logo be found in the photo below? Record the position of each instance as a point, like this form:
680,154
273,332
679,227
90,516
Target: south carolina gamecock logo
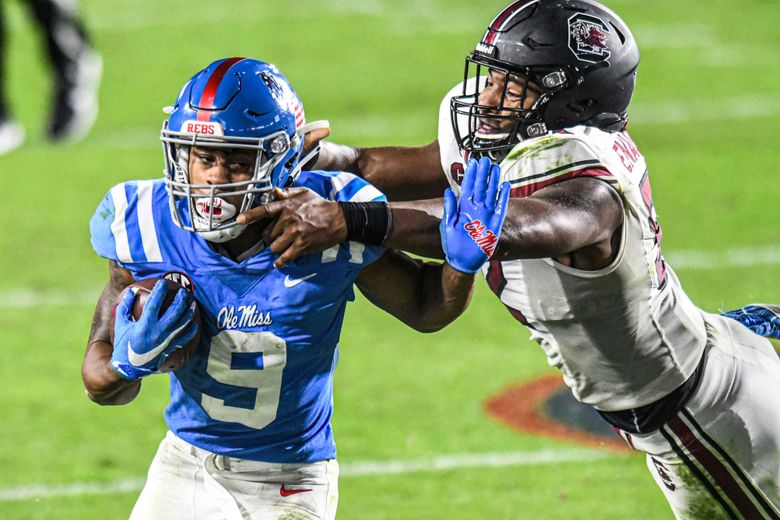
588,38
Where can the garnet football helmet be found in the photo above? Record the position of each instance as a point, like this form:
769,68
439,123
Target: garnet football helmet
577,55
233,103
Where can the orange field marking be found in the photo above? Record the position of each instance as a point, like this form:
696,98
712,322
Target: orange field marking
520,407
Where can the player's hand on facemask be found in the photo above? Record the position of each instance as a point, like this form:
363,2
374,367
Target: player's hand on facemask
140,347
764,320
303,223
472,223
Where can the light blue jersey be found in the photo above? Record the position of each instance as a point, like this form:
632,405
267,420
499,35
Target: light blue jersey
261,384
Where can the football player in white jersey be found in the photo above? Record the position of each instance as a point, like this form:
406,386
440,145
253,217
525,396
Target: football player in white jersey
546,92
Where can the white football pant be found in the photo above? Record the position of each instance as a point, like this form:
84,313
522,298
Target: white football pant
188,483
719,457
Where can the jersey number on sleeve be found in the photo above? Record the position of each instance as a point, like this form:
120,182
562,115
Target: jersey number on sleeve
249,366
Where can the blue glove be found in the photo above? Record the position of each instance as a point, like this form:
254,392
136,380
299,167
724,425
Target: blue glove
472,224
762,319
141,346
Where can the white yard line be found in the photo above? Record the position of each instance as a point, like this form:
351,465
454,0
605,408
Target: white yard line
347,470
698,111
680,260
469,460
738,257
38,491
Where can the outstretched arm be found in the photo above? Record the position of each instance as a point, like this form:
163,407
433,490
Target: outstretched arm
578,215
573,221
428,296
401,173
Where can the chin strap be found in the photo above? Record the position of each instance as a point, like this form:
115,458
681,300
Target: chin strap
220,236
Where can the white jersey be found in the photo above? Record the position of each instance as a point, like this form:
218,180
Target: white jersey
623,336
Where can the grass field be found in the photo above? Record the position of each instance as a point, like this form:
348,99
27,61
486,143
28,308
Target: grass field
706,115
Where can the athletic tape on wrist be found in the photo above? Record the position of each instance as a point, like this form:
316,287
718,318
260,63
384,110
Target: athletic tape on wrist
367,222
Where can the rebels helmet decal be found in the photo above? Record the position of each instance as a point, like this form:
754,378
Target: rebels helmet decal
284,95
588,38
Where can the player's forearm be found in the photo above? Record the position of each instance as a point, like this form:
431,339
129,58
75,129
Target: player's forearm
443,295
102,384
447,298
426,296
529,233
400,172
560,219
415,227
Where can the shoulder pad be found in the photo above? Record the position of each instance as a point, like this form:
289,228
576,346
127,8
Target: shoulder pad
537,163
124,227
340,186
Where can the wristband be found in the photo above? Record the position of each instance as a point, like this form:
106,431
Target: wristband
367,222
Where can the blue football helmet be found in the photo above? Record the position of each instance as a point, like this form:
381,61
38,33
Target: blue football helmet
233,103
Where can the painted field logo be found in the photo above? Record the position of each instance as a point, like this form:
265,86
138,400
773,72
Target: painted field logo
588,38
481,236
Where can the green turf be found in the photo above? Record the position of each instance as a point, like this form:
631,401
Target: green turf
377,70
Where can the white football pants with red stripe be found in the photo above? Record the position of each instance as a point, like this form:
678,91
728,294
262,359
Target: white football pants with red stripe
719,457
188,483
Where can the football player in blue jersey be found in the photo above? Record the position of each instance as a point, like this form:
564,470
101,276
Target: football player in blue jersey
249,413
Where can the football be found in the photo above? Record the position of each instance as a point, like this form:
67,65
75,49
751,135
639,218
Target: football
179,357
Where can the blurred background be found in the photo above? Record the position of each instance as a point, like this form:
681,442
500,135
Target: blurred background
414,438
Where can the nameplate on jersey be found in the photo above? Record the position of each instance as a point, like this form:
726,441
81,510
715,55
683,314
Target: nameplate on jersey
242,317
201,128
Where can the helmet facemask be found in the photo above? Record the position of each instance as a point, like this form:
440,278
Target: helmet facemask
493,130
204,208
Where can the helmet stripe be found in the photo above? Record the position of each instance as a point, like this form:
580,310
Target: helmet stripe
504,16
212,85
